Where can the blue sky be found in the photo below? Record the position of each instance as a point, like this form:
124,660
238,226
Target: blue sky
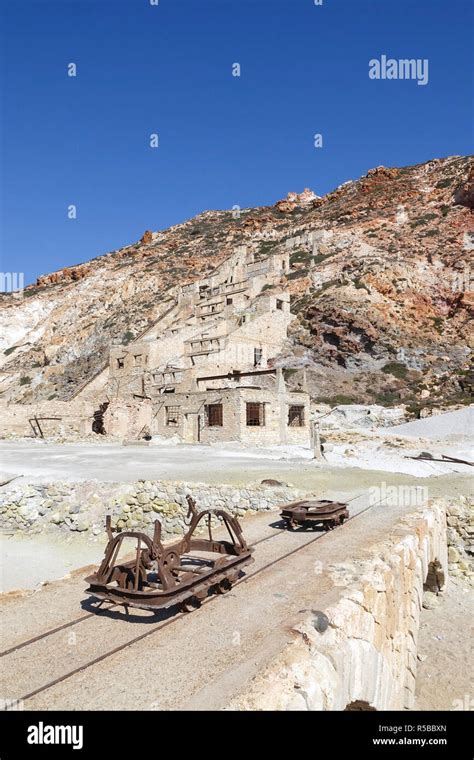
223,140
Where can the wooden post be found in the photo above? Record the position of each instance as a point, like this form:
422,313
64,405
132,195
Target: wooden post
317,453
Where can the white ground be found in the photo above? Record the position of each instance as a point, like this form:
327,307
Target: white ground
380,449
390,448
29,561
392,453
459,423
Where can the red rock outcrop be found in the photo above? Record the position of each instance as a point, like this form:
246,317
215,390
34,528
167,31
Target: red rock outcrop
147,237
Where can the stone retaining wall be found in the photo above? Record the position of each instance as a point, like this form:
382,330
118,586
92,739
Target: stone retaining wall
82,506
460,519
361,652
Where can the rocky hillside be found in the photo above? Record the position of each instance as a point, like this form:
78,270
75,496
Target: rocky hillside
382,296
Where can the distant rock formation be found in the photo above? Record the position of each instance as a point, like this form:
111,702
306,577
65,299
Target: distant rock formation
293,200
71,274
147,237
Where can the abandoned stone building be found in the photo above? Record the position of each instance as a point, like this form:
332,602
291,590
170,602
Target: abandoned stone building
246,413
204,372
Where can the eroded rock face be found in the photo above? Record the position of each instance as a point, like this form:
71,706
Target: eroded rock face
301,198
383,171
286,207
464,194
71,274
342,335
379,275
390,287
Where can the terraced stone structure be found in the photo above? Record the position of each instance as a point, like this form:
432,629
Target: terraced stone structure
205,372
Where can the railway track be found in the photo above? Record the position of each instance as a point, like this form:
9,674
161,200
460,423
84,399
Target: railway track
173,620
99,610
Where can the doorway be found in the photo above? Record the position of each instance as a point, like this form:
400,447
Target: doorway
191,427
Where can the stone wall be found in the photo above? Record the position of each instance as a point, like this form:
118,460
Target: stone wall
128,418
74,418
82,506
274,431
460,519
363,648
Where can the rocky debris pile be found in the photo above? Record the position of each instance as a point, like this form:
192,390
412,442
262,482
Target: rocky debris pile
350,416
20,507
82,506
460,520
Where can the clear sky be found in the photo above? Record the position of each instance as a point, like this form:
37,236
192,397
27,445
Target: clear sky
223,140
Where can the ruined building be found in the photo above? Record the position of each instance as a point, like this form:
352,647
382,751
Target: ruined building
203,373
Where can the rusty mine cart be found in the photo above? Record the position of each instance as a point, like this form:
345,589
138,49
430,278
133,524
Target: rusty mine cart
183,573
311,514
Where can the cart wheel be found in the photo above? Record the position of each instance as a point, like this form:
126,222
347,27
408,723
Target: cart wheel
327,525
291,525
223,586
191,604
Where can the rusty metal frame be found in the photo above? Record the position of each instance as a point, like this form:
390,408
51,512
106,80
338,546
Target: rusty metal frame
37,419
160,576
311,513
